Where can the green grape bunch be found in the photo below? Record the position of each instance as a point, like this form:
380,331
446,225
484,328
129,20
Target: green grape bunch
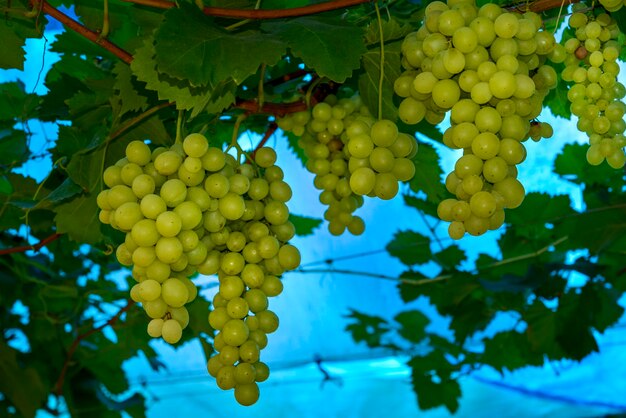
486,68
191,209
596,97
352,155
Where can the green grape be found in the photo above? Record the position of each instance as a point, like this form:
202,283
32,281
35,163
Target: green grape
171,331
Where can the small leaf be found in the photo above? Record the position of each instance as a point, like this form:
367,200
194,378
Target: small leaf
410,247
434,390
130,99
450,257
304,225
428,173
572,165
5,185
413,325
79,219
13,147
367,328
329,45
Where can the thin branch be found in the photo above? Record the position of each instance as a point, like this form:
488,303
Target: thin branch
539,6
137,119
276,109
82,30
268,134
58,386
35,247
259,14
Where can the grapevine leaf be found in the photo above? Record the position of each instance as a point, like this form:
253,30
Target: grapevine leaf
413,325
429,208
367,328
64,191
15,27
5,185
557,100
541,327
13,147
438,389
16,103
428,174
450,257
292,142
197,312
509,350
410,247
12,48
620,18
408,291
130,99
423,128
572,165
369,81
304,224
190,47
173,90
392,29
537,210
21,385
328,45
79,219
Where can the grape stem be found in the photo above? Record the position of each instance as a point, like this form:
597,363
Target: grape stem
81,30
259,14
268,134
381,78
58,386
34,247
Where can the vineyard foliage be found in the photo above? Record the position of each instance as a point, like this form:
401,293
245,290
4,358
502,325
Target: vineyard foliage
155,70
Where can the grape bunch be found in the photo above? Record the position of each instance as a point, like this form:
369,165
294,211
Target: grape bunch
612,5
153,198
596,95
486,67
249,232
194,208
352,155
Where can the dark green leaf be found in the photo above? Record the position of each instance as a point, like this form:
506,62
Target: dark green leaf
5,185
304,225
190,47
509,350
130,99
450,257
572,165
392,29
79,219
369,81
328,45
410,247
13,147
367,328
434,390
428,174
429,208
21,384
412,325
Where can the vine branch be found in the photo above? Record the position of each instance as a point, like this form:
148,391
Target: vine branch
259,14
35,247
82,30
58,386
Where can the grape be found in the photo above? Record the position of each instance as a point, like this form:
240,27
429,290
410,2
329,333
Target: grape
593,73
485,66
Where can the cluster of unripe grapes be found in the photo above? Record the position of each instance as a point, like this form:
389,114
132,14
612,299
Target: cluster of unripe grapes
596,95
486,67
193,208
613,5
352,155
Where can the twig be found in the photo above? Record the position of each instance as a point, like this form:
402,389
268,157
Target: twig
276,109
82,30
540,5
58,386
268,134
35,247
131,122
259,14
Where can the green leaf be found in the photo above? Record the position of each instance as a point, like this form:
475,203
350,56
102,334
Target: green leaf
429,208
572,165
12,48
369,81
367,328
413,325
537,210
450,257
304,225
197,316
428,173
434,390
541,327
5,185
13,147
185,96
328,45
190,47
509,350
65,190
392,29
410,248
21,384
292,142
79,219
15,103
130,99
15,27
